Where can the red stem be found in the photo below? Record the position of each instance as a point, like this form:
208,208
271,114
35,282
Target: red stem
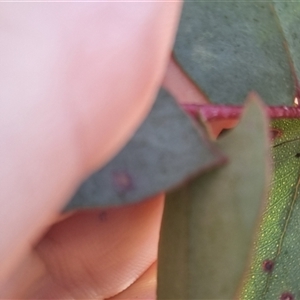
223,112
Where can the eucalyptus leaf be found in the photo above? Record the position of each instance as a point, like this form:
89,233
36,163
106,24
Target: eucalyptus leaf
275,267
166,149
230,48
208,224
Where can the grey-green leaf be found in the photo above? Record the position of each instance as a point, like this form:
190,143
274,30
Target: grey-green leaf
208,224
288,18
165,150
230,48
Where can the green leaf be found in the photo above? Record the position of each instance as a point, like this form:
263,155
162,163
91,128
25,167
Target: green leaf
233,47
208,224
165,150
288,18
275,267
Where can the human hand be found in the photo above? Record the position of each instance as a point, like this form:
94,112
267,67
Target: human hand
76,80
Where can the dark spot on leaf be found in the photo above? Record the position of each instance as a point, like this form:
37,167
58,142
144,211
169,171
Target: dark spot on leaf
122,181
297,155
268,265
287,296
275,133
103,215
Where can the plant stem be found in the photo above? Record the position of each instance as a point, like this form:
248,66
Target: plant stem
223,112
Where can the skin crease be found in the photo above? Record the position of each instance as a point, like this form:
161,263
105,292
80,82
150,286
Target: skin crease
76,81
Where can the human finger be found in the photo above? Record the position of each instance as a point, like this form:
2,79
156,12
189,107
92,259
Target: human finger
77,79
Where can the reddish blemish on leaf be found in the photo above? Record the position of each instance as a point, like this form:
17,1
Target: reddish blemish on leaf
287,296
122,181
275,133
268,265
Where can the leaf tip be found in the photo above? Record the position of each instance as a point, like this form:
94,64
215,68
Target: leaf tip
254,97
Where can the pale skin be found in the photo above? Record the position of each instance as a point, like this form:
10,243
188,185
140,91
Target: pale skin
76,80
